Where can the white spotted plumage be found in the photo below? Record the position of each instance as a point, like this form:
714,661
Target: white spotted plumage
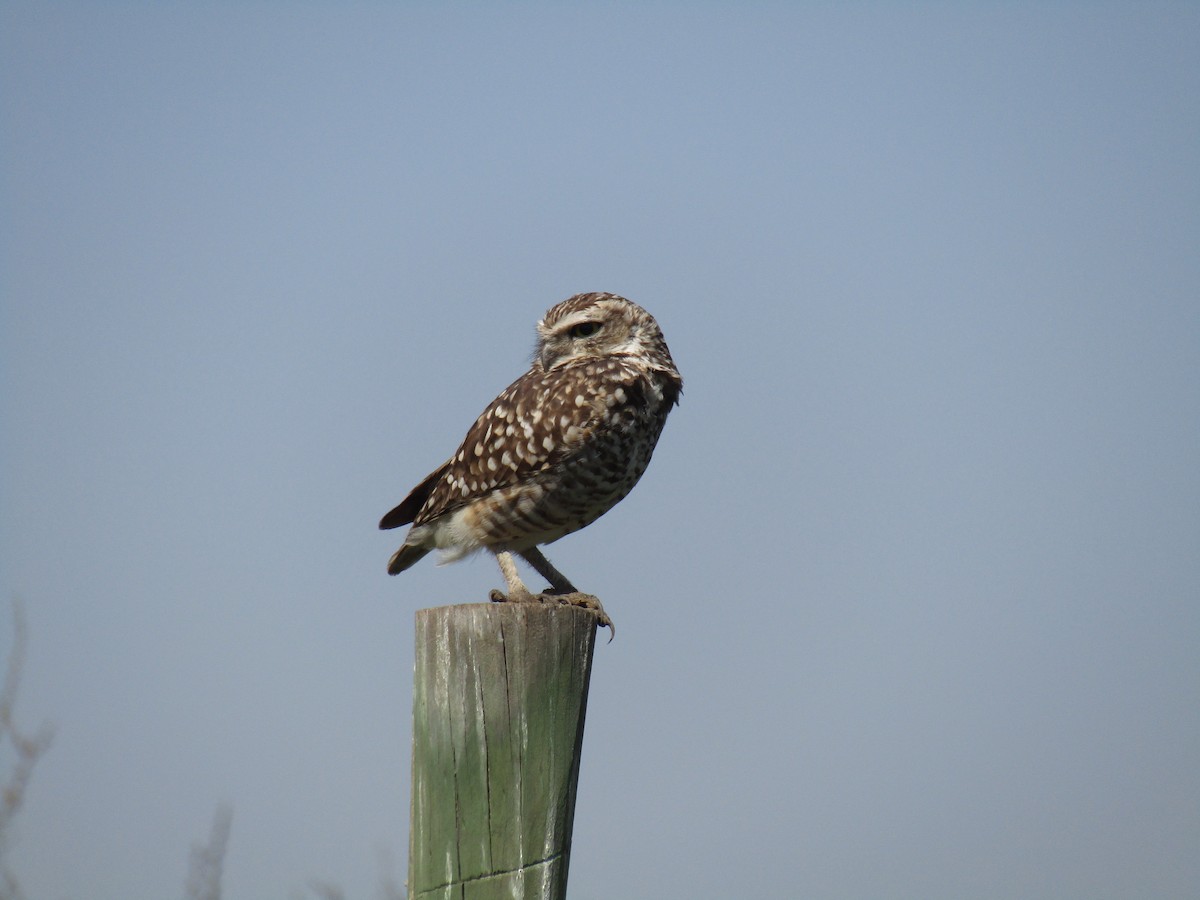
557,449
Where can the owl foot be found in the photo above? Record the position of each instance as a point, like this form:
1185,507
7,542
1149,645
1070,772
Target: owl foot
573,598
585,601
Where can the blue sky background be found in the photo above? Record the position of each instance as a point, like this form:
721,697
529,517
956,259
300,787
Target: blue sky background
908,603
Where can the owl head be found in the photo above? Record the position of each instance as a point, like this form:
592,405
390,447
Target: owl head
600,326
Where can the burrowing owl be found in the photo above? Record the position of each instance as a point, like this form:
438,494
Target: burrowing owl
555,451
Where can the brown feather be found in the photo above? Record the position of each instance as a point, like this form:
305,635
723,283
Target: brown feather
411,505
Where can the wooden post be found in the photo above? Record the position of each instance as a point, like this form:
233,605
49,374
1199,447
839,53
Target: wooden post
499,697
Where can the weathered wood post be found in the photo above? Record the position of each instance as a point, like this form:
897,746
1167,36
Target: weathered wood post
499,698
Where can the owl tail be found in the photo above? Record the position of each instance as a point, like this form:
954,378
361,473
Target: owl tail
405,557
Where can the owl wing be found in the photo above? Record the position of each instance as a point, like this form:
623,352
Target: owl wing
538,421
417,497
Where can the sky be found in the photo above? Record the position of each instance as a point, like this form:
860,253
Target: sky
908,601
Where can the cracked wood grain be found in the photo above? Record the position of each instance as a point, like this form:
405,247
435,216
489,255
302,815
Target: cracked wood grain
499,699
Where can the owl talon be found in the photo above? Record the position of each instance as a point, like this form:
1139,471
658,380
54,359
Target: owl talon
514,596
574,598
586,601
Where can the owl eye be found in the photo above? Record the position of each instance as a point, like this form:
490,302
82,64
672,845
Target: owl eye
584,329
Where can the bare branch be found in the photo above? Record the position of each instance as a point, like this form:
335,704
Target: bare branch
208,860
27,747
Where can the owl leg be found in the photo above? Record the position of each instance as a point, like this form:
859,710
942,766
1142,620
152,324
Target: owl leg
558,581
562,591
517,592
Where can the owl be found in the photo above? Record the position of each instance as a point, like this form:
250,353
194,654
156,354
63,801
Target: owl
556,450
